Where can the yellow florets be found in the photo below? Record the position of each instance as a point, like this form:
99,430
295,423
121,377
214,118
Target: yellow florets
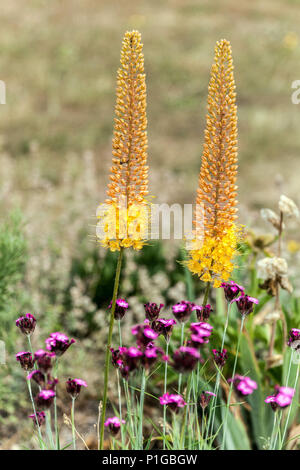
213,261
123,227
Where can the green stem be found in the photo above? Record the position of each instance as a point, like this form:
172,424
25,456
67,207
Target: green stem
73,422
206,294
181,344
55,408
142,396
35,415
165,390
273,430
212,413
49,430
107,354
290,408
120,407
231,384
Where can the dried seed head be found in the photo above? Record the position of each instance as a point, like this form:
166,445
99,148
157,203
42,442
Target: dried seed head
288,207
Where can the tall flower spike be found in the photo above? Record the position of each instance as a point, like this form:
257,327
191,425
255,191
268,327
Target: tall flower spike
125,217
211,254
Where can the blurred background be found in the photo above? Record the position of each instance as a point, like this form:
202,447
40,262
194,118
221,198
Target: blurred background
59,62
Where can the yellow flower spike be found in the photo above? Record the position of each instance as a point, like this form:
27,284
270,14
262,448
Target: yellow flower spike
216,194
125,221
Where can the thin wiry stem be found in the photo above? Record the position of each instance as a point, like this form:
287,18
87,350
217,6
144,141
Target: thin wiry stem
73,423
290,408
231,384
107,354
165,390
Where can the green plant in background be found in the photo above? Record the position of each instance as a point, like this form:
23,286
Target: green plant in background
13,257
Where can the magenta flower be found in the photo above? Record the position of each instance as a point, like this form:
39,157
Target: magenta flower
40,417
232,290
129,360
243,385
151,355
202,329
44,360
120,309
58,343
114,424
25,359
144,335
152,311
220,357
205,398
245,304
51,383
174,402
26,324
38,377
45,399
164,327
282,397
182,311
185,359
73,386
294,335
116,357
203,312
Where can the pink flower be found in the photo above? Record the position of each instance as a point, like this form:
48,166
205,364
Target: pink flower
220,357
73,386
294,338
245,304
231,290
205,398
45,399
25,359
174,402
152,310
40,417
282,397
26,324
144,335
182,311
243,385
58,343
114,424
185,359
120,309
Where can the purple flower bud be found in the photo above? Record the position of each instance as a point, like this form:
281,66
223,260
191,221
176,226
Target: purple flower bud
114,425
185,359
144,335
44,360
245,304
243,385
26,324
232,290
182,311
164,327
294,336
152,311
25,359
205,398
58,343
174,402
38,377
120,309
220,357
73,386
40,417
45,399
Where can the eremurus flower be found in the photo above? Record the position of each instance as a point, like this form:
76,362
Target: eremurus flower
125,216
213,247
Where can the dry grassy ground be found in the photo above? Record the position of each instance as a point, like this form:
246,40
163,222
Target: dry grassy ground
59,61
